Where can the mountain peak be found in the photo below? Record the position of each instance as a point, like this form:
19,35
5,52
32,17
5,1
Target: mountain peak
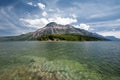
54,24
51,24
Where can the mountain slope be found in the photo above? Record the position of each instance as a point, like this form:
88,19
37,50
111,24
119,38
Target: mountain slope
67,37
23,37
53,28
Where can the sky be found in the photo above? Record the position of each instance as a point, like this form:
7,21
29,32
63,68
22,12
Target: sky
23,16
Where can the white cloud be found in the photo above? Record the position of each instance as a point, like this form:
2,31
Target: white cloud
83,26
30,3
63,21
41,6
44,13
35,23
110,33
39,23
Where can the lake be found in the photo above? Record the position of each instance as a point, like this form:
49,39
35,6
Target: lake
34,60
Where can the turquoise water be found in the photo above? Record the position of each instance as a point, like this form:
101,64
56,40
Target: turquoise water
60,60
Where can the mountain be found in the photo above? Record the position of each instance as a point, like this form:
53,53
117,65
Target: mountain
57,30
54,28
113,38
22,37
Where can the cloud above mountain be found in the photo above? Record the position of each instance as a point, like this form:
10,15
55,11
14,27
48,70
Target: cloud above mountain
39,23
82,26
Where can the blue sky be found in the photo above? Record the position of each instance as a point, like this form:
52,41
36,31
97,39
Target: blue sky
22,16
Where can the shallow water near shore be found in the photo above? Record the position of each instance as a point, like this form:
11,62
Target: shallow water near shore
34,60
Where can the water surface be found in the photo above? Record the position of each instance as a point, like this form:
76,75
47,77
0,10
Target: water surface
32,60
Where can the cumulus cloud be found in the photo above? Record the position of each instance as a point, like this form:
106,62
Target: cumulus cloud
44,13
38,23
35,23
110,33
30,3
83,26
63,21
41,6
